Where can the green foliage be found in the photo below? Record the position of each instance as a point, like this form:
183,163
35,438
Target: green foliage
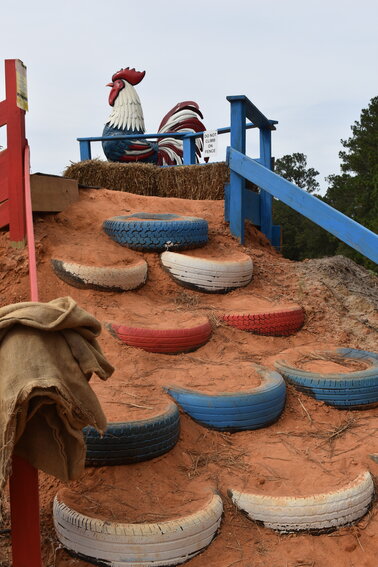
354,193
293,167
301,238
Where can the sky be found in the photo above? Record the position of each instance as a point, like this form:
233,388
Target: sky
311,65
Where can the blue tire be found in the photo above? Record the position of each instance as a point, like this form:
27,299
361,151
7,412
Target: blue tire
133,441
157,232
342,390
246,410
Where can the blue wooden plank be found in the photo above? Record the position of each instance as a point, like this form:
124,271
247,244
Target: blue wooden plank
349,231
276,237
224,130
227,202
237,183
189,150
135,136
252,206
253,113
85,150
236,205
266,200
237,138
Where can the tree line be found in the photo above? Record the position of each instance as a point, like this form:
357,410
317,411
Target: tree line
353,192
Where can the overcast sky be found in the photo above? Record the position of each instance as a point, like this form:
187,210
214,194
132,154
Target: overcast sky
311,65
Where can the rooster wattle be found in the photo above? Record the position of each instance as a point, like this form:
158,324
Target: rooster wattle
127,118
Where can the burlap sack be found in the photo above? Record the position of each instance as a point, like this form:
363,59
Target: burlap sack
48,352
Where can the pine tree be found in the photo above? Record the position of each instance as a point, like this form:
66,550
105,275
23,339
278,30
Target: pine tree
301,238
355,191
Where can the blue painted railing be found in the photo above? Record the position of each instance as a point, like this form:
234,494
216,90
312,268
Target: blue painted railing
189,148
241,203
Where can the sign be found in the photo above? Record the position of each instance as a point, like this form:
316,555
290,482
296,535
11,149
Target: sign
210,138
21,86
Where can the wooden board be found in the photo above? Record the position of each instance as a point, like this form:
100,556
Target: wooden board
51,193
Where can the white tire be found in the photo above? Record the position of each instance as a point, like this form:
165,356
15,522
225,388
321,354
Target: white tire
101,278
212,276
317,512
137,545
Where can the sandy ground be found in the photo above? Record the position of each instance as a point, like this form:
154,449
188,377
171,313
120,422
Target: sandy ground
312,448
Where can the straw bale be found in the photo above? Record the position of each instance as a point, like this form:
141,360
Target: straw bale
185,181
193,181
138,178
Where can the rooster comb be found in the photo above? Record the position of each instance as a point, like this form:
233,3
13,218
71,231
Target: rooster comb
130,75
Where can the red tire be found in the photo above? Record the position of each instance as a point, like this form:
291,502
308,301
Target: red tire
271,323
170,341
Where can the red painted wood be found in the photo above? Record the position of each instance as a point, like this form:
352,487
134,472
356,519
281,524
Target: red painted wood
4,213
30,229
24,498
23,483
3,112
15,145
3,177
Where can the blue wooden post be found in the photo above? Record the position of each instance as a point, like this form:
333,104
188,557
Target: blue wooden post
227,190
189,150
266,200
85,150
234,205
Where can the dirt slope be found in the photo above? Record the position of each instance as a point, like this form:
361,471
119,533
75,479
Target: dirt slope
312,448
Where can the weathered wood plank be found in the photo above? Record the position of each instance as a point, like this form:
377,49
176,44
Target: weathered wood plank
52,193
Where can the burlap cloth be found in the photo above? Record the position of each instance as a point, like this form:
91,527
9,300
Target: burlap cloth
48,352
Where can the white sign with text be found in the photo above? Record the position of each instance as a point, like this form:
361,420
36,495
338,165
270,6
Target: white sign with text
210,139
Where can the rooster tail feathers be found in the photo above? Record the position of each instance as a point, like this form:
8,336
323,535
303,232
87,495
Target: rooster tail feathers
186,105
184,117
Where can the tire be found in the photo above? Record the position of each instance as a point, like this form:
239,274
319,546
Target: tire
210,276
169,341
103,279
275,323
342,390
318,512
247,410
114,544
133,441
157,232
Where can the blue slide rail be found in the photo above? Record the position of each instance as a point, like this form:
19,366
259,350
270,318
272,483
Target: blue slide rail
346,229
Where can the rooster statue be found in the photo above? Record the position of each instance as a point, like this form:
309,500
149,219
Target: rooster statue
127,118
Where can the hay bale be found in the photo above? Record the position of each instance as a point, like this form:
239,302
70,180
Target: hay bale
193,181
138,178
183,181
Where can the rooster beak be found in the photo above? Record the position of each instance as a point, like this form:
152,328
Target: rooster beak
110,85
